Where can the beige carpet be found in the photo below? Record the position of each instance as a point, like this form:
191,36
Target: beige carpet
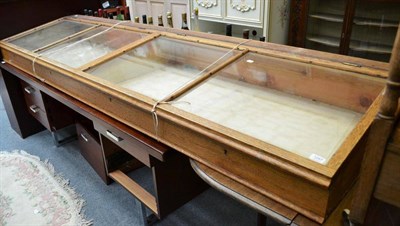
31,193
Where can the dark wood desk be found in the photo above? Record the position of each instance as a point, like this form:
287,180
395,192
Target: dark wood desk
111,147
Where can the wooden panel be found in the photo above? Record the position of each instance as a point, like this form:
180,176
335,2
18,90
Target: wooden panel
342,181
388,185
135,189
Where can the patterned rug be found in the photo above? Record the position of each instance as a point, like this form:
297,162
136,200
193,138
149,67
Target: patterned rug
31,193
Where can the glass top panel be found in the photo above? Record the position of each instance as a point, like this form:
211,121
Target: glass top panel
90,46
238,97
158,68
49,35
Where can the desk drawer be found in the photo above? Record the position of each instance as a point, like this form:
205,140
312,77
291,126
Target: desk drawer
39,114
32,95
35,104
131,145
90,149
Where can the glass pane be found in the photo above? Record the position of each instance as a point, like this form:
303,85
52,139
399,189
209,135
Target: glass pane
244,97
325,21
49,35
374,29
161,66
90,46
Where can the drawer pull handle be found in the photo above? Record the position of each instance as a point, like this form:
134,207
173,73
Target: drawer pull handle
84,138
29,90
112,136
34,109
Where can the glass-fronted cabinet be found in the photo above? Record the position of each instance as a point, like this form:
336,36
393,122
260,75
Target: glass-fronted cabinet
325,24
374,29
361,28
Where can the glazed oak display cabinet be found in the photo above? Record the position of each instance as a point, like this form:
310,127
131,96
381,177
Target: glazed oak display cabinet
285,122
362,28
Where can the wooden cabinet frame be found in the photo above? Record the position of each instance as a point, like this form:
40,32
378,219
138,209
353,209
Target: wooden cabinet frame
299,21
315,189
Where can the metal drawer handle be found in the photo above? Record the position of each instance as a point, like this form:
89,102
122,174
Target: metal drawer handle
84,138
35,109
29,90
112,136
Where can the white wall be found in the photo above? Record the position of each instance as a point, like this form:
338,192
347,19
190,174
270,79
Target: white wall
276,21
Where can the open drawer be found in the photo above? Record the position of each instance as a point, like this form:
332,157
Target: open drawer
138,145
125,149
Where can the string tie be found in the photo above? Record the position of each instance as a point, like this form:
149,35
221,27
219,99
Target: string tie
67,46
165,101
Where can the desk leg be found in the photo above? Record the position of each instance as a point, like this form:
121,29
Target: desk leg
261,219
175,183
14,103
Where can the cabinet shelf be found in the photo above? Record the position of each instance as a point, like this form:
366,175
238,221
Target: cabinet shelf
358,21
375,23
354,45
325,40
328,17
372,48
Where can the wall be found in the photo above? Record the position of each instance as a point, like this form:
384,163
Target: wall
279,21
20,15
